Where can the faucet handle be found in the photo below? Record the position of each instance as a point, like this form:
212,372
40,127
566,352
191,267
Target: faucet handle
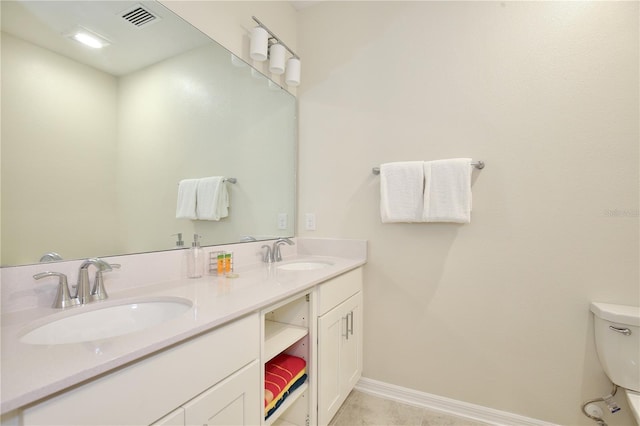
63,298
99,292
268,255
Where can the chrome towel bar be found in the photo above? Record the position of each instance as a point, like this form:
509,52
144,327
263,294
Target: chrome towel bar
477,164
231,180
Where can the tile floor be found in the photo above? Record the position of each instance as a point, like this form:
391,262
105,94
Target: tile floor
361,409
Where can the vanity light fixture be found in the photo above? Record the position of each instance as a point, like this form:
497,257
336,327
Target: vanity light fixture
266,45
88,38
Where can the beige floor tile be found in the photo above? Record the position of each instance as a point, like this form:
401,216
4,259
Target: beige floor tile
361,409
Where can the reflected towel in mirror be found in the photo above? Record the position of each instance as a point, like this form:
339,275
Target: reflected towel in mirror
186,208
212,198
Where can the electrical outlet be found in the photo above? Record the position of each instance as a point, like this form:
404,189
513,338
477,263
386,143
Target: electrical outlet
282,221
310,221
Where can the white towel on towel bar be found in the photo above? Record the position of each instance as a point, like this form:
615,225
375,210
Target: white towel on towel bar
401,189
213,198
186,206
447,190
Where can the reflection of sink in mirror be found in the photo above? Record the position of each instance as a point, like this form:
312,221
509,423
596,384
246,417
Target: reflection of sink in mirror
304,266
107,322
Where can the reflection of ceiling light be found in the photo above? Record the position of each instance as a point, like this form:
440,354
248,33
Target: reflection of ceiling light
88,38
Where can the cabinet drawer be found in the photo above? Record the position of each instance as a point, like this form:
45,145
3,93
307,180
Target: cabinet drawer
338,289
144,391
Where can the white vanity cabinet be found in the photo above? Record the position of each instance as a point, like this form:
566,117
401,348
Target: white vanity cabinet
218,377
229,403
339,341
209,379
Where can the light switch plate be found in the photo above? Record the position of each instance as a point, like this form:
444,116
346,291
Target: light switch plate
282,221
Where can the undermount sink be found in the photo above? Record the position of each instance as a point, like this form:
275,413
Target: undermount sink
304,265
106,322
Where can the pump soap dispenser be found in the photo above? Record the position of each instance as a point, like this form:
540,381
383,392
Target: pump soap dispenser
195,259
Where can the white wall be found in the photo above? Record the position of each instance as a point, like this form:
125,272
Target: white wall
495,312
61,125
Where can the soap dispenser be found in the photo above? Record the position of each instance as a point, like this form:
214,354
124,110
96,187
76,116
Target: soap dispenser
195,259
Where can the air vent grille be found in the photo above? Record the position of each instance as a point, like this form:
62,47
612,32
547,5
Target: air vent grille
139,16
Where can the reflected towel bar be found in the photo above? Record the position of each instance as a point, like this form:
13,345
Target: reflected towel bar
477,164
230,180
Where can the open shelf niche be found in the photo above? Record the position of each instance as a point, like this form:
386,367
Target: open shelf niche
286,329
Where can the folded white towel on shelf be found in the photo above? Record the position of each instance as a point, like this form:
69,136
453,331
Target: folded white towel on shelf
401,189
447,190
213,198
186,206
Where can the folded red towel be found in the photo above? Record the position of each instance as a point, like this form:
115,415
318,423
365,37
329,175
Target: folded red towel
279,374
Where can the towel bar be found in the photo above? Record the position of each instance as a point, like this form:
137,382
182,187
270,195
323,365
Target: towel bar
230,180
477,164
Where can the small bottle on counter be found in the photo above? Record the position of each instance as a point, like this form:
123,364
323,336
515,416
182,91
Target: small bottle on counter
228,262
195,259
221,263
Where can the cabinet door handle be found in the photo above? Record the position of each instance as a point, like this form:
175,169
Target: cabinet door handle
346,326
351,327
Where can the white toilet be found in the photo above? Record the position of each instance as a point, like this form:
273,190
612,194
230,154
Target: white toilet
617,335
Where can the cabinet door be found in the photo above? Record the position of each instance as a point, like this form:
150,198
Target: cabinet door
234,401
351,350
332,328
339,355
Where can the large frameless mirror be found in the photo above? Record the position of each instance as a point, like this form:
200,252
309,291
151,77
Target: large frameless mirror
95,141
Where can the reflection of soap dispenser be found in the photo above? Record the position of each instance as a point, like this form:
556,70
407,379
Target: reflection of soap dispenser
179,242
195,259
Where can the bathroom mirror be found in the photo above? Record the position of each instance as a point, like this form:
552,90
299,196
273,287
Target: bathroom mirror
95,141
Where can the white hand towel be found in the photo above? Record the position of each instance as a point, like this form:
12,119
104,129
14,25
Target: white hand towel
401,191
186,206
213,198
447,190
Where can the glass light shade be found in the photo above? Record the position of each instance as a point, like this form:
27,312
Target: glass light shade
259,44
276,58
292,77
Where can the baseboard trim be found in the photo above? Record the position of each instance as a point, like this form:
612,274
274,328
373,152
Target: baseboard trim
445,405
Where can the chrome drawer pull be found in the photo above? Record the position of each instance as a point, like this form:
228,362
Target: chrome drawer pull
624,331
351,328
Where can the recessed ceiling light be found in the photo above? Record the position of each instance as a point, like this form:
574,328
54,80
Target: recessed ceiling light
88,38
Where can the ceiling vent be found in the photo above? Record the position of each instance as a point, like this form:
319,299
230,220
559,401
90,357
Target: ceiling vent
139,17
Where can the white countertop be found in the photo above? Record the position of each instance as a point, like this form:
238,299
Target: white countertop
31,372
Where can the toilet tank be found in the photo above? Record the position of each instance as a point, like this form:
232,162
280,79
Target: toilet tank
617,337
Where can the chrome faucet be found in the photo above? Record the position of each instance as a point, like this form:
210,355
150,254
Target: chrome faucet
83,292
267,257
63,298
273,254
99,292
275,250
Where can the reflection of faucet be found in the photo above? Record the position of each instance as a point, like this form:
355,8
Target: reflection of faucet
275,250
52,256
82,291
